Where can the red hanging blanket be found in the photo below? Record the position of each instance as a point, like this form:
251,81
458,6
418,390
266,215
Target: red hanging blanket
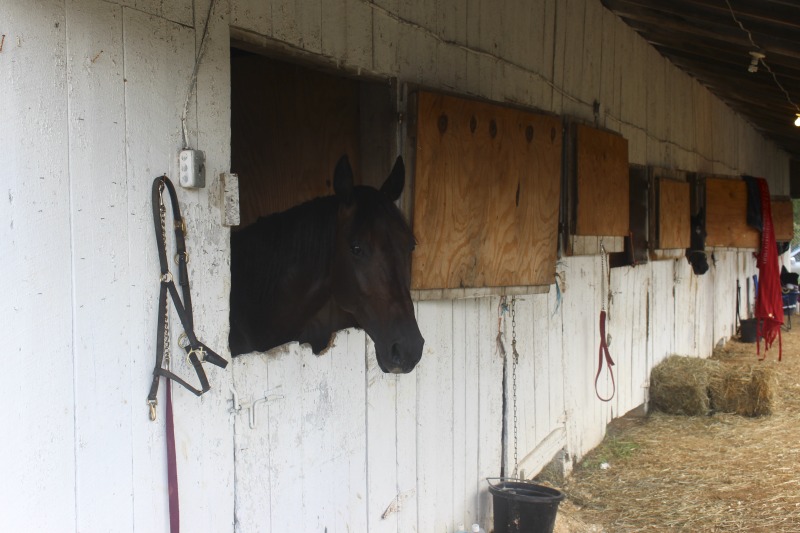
769,300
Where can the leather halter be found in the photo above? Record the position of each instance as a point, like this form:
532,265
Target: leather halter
196,351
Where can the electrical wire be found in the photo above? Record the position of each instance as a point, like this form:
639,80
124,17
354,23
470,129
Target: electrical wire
752,42
193,80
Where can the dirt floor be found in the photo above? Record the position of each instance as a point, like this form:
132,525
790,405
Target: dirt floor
721,472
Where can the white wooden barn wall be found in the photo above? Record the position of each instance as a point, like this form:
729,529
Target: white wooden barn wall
92,95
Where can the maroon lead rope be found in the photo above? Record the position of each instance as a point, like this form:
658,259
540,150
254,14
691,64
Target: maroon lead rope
603,353
172,468
196,351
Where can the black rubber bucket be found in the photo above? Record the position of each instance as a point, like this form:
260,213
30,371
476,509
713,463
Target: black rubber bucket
523,507
747,331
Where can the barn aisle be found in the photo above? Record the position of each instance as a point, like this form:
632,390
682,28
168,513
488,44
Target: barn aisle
708,473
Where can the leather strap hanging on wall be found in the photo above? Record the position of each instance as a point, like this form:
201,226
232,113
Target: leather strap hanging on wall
196,351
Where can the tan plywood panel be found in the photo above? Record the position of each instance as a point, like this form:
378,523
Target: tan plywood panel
674,214
486,194
726,215
602,183
783,219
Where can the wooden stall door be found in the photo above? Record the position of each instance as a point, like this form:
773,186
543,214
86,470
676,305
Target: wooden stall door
486,194
674,214
597,200
602,183
726,215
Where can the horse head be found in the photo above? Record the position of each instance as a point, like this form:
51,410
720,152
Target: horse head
696,254
371,266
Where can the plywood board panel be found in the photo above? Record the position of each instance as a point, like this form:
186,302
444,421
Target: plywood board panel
602,183
673,214
783,219
486,194
726,214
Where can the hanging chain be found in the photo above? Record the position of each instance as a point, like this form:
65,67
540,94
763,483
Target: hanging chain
163,216
514,362
162,212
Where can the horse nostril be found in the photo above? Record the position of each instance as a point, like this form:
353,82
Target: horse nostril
404,357
397,357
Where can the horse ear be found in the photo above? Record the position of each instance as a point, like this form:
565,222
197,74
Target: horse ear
393,186
343,180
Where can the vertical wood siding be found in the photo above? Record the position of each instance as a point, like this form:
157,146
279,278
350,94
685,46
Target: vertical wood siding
38,259
99,214
93,92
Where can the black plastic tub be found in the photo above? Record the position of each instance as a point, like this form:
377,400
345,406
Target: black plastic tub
522,506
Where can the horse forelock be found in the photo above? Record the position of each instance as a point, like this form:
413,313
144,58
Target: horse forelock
376,212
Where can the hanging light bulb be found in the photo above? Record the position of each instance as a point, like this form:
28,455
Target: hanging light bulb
797,120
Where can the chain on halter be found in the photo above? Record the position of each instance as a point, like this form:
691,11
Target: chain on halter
514,362
162,215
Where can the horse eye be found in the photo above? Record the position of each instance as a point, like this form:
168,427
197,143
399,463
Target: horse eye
355,248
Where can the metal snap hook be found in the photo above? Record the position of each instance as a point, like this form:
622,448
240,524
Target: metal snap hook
153,404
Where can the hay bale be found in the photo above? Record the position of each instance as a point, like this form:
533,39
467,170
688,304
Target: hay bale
746,389
680,385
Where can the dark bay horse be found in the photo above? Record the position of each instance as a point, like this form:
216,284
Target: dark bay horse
331,263
696,253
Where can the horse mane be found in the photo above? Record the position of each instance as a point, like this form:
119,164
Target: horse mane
302,235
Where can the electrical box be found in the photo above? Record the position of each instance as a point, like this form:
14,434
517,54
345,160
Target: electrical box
192,169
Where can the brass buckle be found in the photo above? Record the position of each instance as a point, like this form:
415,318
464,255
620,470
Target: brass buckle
181,225
185,258
200,352
183,342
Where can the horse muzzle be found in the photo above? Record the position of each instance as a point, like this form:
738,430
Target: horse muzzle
401,356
